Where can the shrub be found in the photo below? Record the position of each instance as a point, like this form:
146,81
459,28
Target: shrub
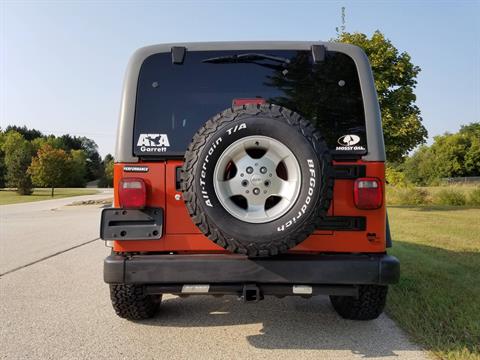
474,197
407,196
450,196
395,177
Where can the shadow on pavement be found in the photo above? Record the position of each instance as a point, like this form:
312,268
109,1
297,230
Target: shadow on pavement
289,323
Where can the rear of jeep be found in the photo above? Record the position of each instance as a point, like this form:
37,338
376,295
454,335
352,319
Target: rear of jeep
249,169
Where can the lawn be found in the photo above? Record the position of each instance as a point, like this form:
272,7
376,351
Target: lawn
11,197
438,298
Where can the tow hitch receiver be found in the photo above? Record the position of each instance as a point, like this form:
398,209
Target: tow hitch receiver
251,293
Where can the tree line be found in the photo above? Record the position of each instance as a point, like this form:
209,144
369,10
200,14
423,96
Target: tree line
29,158
450,156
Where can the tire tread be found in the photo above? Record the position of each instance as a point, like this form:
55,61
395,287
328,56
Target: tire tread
367,306
130,302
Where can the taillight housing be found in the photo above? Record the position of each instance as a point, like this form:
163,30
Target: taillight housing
132,193
368,193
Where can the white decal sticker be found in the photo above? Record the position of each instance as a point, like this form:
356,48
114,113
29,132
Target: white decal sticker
348,140
153,142
349,143
135,168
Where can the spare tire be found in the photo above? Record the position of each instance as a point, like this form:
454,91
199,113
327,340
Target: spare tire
255,179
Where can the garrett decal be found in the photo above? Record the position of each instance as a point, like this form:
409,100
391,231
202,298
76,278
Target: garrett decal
349,143
153,142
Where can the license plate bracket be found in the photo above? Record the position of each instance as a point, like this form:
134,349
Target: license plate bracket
131,224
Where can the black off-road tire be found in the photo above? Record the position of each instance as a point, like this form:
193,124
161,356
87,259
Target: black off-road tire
368,306
281,124
130,302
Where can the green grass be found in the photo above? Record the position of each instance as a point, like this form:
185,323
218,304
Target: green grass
438,298
11,197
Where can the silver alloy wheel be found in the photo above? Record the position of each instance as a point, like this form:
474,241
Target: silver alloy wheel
267,196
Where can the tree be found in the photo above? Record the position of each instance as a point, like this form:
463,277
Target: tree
17,157
94,161
94,166
79,170
419,168
51,140
51,167
450,155
28,134
2,160
71,142
472,156
395,79
107,179
88,168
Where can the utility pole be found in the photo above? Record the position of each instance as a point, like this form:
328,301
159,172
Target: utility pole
340,30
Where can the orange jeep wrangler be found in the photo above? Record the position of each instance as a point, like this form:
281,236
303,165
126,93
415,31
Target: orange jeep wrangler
249,169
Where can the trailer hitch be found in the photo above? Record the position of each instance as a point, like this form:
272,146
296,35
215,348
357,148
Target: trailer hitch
251,293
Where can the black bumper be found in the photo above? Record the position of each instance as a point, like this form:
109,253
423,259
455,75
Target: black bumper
335,269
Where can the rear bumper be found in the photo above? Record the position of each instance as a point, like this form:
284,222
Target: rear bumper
324,270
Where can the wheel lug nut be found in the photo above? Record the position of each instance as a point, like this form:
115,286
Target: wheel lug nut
244,183
256,191
249,170
263,170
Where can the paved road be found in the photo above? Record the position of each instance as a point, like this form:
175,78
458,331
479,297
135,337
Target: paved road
32,231
58,308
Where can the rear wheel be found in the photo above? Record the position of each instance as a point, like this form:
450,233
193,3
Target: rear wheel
367,306
130,302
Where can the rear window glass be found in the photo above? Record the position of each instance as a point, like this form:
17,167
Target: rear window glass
173,101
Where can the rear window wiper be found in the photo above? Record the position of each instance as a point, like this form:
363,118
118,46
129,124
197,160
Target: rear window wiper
246,58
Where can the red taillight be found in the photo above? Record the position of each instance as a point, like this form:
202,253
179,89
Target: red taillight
241,102
368,193
132,193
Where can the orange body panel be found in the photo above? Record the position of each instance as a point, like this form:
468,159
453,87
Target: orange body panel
181,235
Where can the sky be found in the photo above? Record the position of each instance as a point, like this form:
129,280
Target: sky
62,63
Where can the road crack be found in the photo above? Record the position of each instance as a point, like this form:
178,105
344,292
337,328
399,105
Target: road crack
48,257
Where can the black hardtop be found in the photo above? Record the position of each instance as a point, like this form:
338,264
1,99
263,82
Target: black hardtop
171,89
